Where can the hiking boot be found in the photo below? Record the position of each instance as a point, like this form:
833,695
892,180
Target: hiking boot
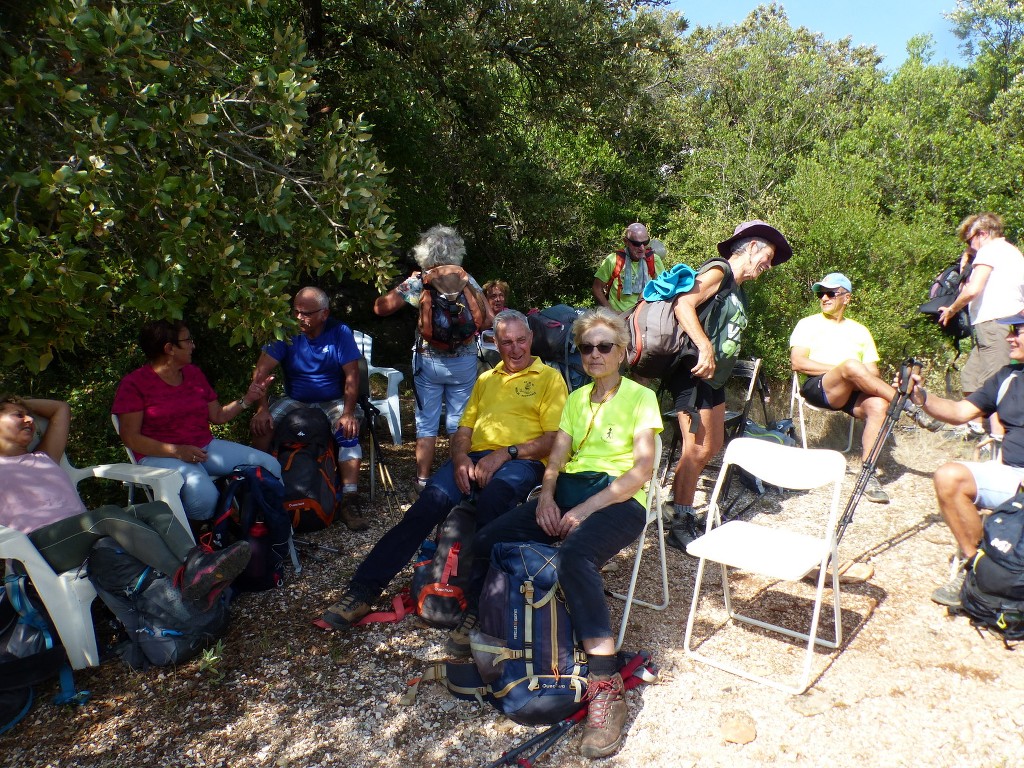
684,530
874,491
457,644
346,612
205,570
949,595
351,512
606,716
922,419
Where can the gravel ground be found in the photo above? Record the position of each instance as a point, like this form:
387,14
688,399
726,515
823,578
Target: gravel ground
910,685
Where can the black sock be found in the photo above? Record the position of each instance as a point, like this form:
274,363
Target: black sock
605,666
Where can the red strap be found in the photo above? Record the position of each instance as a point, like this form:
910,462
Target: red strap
620,261
451,564
402,604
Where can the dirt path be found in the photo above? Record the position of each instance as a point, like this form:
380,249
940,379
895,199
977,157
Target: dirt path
911,686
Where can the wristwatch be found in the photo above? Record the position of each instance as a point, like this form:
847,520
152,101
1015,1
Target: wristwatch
513,451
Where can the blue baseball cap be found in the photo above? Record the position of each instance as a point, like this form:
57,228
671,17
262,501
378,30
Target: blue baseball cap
1017,319
834,280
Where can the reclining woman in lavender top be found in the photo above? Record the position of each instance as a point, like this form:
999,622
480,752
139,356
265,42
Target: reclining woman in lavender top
38,498
166,408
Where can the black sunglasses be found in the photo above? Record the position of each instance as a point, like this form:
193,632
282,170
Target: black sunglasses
603,347
830,294
637,243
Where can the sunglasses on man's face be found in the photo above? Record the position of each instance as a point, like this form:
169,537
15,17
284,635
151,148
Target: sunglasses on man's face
830,294
638,243
603,347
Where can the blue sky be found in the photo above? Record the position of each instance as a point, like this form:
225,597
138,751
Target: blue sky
886,24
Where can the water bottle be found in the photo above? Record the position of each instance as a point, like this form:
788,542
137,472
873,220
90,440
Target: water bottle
345,442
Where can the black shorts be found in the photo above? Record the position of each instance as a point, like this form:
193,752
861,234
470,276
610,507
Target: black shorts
691,394
814,393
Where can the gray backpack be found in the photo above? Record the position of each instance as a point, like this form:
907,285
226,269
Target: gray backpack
163,629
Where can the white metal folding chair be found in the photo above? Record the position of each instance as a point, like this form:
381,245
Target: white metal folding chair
798,403
653,516
388,405
68,596
782,554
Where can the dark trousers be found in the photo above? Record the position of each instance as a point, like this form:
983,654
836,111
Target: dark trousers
507,487
580,557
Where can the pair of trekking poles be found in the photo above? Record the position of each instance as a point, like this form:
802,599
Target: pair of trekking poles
637,670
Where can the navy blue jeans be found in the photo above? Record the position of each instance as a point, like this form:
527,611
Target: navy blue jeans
580,557
507,487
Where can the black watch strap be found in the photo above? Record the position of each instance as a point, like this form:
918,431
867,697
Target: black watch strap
513,451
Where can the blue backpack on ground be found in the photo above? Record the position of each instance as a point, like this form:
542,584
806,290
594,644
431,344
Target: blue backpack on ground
993,591
526,662
251,507
162,628
30,653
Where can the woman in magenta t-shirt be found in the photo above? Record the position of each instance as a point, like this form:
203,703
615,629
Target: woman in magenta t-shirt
166,408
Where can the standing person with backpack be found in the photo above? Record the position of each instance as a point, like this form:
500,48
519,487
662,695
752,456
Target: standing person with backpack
698,396
995,289
622,275
452,311
498,455
321,369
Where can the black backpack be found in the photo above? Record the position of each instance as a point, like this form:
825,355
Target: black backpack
304,444
251,508
552,342
441,573
163,629
452,309
30,653
993,590
942,293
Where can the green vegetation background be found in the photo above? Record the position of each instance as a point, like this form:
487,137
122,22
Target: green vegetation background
203,159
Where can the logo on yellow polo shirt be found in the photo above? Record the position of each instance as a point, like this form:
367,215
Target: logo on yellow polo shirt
526,389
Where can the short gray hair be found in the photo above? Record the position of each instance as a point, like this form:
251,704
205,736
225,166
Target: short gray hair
743,242
318,293
601,316
438,246
510,316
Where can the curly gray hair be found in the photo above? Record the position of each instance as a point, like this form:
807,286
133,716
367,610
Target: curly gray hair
439,245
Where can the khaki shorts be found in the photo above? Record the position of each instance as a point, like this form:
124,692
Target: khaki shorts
990,353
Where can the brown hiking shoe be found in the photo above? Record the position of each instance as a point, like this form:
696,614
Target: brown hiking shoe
606,716
346,612
351,512
457,643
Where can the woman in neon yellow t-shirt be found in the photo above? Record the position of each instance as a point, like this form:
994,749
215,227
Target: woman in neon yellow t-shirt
606,427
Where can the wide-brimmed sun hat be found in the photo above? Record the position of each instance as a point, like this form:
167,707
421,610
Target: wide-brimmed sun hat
758,228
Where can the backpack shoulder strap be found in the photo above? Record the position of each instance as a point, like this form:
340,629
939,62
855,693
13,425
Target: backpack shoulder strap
620,262
1005,387
649,258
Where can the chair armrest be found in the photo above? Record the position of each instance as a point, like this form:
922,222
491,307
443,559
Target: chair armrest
394,377
166,483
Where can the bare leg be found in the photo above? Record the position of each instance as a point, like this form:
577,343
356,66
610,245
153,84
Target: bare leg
850,375
425,455
872,411
698,449
956,490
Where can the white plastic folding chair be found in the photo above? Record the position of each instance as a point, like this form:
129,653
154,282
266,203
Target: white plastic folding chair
68,596
798,403
778,553
388,405
653,516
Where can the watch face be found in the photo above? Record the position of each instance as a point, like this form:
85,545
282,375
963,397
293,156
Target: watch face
513,451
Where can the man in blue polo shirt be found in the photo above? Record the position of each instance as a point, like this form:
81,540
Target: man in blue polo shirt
321,367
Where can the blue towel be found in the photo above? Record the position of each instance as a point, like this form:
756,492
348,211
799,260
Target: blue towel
670,283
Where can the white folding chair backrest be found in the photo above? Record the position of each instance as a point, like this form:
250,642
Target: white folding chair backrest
389,405
68,596
798,403
653,513
781,553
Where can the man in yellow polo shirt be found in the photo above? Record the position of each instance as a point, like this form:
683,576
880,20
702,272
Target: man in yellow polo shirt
498,455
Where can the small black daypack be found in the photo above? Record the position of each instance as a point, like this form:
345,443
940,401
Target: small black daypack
943,291
251,507
162,628
441,573
304,444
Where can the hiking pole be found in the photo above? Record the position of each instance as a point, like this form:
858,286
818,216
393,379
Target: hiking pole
314,545
910,367
636,671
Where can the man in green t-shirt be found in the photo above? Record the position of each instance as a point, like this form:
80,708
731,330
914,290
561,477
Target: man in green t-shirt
622,275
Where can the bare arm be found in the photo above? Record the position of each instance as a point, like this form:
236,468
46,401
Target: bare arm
949,411
973,289
261,423
222,414
131,435
58,413
801,362
538,448
685,310
391,302
600,292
